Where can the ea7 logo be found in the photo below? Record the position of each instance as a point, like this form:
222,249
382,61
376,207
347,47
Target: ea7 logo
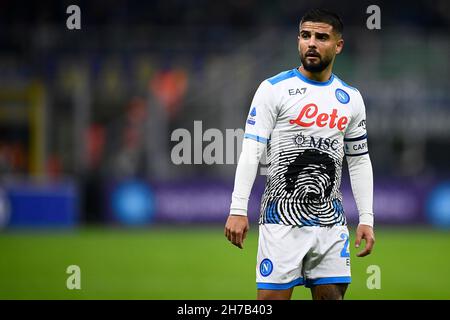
293,92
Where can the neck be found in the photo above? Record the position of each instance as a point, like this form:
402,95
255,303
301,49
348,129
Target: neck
321,76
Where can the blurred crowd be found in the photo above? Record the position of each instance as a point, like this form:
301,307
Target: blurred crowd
111,93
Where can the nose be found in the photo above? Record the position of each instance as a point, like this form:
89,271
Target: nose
312,42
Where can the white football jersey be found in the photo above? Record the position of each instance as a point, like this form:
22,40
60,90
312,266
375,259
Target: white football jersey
308,126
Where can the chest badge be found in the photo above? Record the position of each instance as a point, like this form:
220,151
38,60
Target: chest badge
342,96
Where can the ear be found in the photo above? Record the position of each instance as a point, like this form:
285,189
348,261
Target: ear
339,45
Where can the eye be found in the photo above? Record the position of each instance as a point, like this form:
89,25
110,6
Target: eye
322,37
304,36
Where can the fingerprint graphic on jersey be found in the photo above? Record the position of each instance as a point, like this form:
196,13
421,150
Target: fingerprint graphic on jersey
302,189
311,176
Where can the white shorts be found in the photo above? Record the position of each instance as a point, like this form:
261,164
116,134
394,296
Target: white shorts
289,256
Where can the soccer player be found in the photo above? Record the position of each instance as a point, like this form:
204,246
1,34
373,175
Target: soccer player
308,119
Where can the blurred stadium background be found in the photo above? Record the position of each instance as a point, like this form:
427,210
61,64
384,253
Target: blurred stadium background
86,119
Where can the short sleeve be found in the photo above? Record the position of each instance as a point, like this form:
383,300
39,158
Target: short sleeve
355,139
262,115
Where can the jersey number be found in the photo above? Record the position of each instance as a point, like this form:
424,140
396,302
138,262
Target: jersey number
344,252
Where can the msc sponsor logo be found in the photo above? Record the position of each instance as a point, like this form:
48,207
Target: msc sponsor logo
317,142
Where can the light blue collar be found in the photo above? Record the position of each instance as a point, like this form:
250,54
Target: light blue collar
313,82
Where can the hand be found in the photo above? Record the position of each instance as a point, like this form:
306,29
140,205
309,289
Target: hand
364,232
236,229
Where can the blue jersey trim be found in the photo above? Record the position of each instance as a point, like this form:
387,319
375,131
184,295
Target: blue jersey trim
280,286
346,85
255,137
313,82
281,76
364,136
329,280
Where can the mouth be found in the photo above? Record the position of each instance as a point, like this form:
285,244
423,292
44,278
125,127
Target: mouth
312,54
312,59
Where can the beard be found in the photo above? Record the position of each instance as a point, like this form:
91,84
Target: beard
315,66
